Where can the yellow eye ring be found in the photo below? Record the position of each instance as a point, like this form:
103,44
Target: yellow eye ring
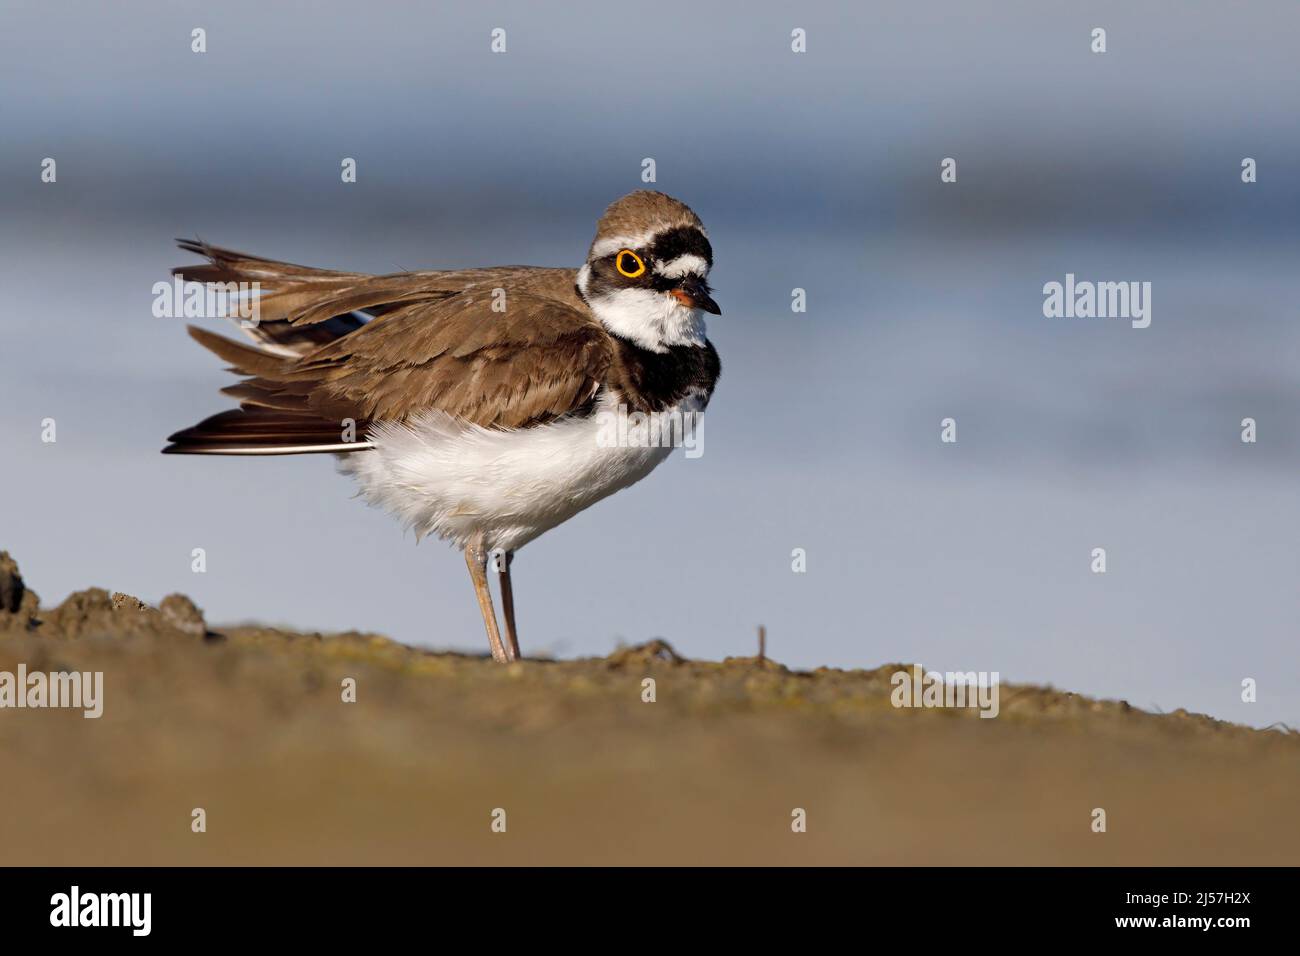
633,271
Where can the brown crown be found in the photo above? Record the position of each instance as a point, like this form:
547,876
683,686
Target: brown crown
644,211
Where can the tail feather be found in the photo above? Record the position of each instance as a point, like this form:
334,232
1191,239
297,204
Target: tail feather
273,419
250,430
299,310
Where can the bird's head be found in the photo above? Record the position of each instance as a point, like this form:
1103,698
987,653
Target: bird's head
646,276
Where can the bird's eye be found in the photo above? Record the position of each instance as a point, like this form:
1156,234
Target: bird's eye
629,264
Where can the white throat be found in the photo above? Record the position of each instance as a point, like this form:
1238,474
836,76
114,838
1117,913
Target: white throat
653,320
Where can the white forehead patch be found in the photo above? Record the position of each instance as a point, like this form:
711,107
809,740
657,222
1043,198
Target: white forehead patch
683,265
612,244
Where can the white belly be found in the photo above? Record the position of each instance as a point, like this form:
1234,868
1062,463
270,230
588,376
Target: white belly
440,476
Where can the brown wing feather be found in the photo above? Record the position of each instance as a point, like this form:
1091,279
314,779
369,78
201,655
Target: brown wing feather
435,343
226,264
537,361
243,359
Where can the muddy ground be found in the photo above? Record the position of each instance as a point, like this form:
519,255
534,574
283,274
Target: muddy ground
250,725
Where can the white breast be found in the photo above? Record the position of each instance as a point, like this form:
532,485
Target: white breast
441,476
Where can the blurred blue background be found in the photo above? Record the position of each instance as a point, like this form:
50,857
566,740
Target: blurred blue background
818,171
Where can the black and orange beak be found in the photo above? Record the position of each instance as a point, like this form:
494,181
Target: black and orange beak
694,294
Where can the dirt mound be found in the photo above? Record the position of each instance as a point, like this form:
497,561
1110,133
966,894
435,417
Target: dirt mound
352,748
92,613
